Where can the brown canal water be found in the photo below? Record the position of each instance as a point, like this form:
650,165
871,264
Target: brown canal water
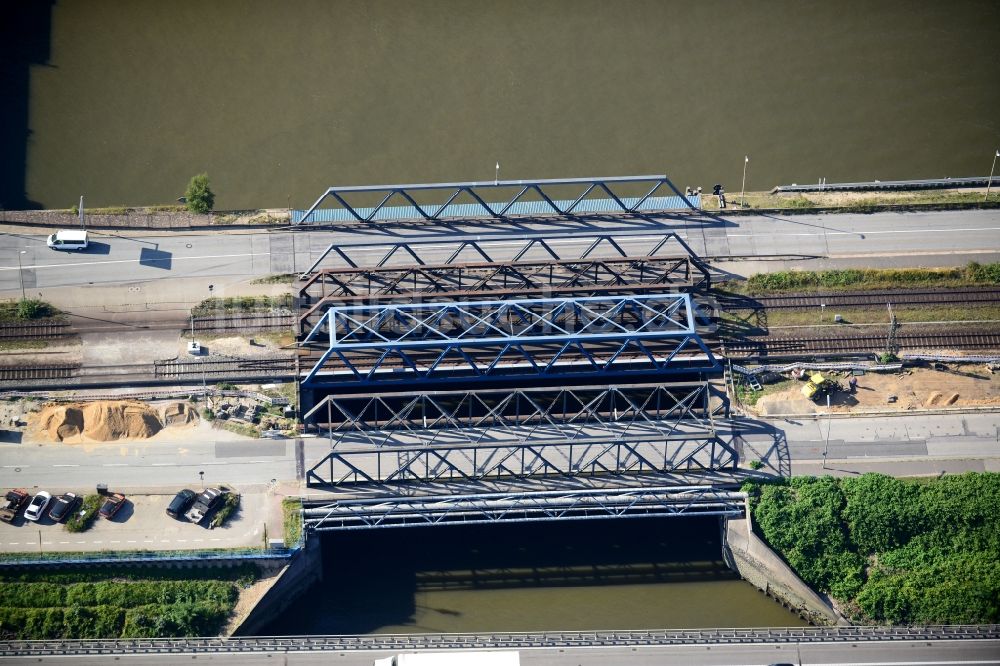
601,574
124,100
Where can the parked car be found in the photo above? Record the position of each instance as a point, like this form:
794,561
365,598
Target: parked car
63,506
36,508
112,504
207,500
13,501
180,503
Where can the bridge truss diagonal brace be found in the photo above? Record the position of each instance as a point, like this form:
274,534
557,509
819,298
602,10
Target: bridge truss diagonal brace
525,321
503,416
509,249
523,507
524,460
481,192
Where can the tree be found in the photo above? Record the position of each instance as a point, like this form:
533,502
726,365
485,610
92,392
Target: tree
200,198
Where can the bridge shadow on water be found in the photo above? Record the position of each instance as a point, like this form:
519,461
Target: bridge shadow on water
25,31
375,578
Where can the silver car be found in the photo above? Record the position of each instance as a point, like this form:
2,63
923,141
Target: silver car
36,509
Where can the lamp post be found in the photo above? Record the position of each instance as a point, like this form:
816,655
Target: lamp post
746,161
496,175
989,183
20,273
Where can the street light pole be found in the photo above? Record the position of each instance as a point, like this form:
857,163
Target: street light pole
989,183
496,175
746,160
20,274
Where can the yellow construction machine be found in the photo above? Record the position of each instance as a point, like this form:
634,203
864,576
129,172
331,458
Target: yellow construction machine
817,386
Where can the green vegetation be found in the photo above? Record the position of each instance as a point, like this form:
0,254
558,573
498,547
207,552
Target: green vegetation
233,304
849,202
12,345
277,278
228,508
244,429
111,602
208,414
891,550
83,517
200,198
870,278
26,309
292,509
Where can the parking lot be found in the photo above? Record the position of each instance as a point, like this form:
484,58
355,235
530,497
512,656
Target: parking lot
142,524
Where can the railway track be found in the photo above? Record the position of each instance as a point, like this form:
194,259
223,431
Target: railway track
862,344
35,331
224,368
12,373
962,296
248,322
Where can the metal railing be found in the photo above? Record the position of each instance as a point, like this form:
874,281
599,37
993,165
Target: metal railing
499,640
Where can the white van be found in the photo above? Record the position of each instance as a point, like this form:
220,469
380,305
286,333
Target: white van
68,239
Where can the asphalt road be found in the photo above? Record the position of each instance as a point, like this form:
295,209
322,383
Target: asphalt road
882,239
890,653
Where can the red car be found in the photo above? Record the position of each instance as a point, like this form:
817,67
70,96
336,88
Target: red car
112,503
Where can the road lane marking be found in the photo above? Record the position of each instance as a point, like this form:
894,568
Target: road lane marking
138,261
115,465
65,465
163,465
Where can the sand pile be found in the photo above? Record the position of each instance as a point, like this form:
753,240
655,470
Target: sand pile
178,413
102,420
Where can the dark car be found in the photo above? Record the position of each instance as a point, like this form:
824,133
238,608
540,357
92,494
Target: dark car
63,506
112,503
180,503
207,500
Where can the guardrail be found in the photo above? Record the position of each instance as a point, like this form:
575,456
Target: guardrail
15,560
524,640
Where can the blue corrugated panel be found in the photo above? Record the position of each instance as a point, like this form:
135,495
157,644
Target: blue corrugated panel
473,210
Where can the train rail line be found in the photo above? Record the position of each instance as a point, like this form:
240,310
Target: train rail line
225,368
961,296
10,373
36,331
861,344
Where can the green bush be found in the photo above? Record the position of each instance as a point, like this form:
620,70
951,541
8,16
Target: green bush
228,508
83,517
931,548
200,198
31,308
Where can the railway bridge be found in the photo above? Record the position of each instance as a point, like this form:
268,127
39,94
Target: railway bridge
511,378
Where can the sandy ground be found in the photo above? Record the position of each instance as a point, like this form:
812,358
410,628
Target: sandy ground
34,434
917,388
233,345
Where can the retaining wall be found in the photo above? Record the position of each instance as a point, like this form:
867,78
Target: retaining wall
56,219
305,569
760,566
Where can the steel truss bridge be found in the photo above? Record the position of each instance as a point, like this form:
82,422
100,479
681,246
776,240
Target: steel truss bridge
427,342
527,460
500,266
498,199
541,415
522,506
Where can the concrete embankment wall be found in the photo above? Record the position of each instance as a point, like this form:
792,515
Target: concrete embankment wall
55,219
305,569
764,569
